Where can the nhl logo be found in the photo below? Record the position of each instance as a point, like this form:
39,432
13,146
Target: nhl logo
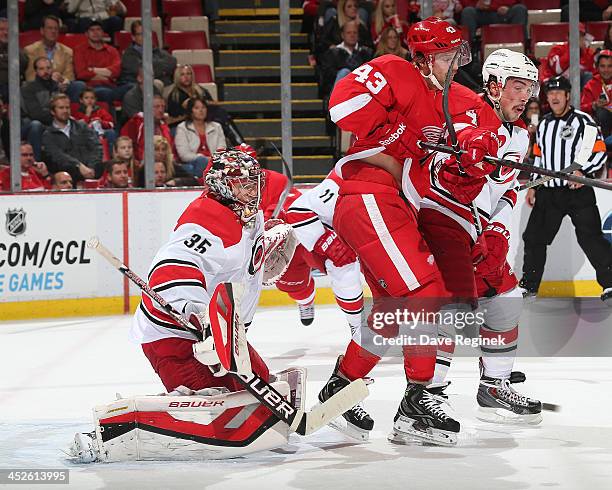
567,132
15,222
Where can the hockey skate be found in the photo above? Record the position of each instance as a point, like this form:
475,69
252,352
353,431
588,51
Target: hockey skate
306,314
421,417
606,297
529,294
500,403
356,422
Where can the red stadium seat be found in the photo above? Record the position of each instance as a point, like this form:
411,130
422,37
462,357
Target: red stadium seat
548,32
133,8
124,38
185,40
28,37
598,29
541,4
72,40
182,8
21,10
203,73
502,33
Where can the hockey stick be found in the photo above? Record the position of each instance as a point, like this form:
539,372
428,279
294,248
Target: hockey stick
287,172
586,150
299,421
525,167
452,134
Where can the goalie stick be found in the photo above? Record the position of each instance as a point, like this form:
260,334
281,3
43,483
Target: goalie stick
527,168
586,150
287,173
299,421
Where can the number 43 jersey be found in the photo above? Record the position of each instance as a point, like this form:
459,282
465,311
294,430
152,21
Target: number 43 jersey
208,246
388,106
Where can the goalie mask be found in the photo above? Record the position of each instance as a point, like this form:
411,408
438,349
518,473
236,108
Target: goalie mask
236,180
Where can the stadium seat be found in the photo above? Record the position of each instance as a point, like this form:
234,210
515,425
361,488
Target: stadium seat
124,38
541,4
28,37
203,73
212,89
540,16
185,40
199,23
548,32
133,8
155,22
502,34
72,40
180,8
194,56
598,29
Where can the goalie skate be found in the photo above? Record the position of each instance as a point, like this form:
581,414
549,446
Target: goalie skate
356,422
84,448
421,418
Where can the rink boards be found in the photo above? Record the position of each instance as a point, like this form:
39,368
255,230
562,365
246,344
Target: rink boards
46,270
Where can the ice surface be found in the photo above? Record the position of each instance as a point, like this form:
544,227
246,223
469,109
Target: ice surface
54,372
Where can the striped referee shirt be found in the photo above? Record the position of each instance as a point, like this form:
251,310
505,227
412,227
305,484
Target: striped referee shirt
558,140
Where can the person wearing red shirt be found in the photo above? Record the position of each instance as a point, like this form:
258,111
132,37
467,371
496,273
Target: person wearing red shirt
34,175
596,96
96,117
558,60
134,128
99,64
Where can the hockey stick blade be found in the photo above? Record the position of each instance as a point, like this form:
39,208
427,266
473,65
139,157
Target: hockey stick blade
551,407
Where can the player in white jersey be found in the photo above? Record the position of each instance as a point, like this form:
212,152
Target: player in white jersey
474,268
311,214
219,238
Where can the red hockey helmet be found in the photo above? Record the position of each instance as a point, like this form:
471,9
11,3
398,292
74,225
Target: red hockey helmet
434,35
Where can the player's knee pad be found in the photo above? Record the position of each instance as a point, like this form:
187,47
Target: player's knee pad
502,312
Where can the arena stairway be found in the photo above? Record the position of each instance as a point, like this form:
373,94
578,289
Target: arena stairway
247,72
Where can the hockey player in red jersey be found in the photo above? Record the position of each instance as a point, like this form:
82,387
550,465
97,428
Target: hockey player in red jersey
475,269
390,104
219,238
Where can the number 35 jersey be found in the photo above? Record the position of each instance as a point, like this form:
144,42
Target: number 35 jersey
208,246
388,106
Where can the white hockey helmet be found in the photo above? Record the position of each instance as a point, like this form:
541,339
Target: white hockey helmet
236,180
504,63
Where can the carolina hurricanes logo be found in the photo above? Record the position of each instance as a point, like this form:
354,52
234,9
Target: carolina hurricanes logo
502,174
502,140
257,255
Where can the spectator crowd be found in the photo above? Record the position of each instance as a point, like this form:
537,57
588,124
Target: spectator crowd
82,120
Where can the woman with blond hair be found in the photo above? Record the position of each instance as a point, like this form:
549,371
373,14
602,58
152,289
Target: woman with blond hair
184,88
390,44
385,16
174,175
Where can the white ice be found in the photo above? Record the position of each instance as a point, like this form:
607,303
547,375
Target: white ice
54,372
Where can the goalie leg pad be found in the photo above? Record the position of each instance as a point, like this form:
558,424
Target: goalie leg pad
181,428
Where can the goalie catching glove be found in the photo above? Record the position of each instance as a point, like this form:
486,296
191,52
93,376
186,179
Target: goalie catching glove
279,246
204,351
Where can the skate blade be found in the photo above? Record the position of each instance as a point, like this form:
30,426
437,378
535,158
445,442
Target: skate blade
350,430
502,416
404,430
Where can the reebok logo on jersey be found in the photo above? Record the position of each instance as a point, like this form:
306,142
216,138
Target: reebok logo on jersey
394,136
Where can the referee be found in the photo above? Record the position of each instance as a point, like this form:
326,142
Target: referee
558,136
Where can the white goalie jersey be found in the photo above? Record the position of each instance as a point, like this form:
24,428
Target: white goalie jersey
208,246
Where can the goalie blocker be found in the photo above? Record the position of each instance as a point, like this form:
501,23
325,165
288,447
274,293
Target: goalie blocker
185,425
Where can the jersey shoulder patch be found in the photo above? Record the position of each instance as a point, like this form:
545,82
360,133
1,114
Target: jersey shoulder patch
213,216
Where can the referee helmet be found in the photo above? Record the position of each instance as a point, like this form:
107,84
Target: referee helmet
557,83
